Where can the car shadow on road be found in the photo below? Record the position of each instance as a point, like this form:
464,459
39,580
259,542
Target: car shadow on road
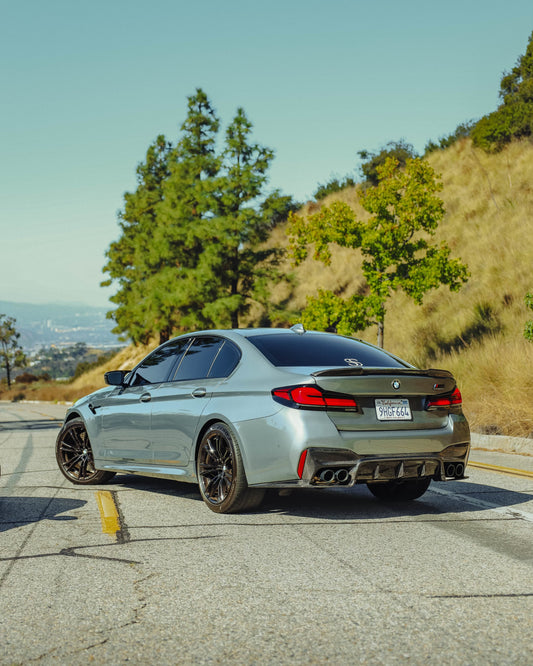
354,503
155,485
19,511
36,424
357,502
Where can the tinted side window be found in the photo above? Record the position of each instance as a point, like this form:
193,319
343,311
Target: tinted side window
198,360
226,360
321,350
156,367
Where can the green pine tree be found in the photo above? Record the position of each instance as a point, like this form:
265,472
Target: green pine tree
177,291
191,254
235,265
131,261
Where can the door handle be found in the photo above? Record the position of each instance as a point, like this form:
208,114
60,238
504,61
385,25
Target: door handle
145,397
199,393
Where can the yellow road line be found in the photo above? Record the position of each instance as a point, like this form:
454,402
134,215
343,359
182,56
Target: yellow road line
108,512
503,470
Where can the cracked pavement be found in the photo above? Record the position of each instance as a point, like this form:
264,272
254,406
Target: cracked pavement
331,576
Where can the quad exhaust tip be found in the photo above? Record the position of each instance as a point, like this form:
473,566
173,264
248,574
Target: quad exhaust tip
455,470
341,476
333,476
326,475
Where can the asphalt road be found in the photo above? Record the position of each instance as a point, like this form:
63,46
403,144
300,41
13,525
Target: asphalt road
329,576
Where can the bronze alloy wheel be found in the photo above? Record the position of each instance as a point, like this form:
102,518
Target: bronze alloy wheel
216,467
221,475
75,457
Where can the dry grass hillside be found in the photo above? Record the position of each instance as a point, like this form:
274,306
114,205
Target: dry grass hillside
477,332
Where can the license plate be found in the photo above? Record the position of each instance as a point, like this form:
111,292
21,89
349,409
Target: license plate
393,409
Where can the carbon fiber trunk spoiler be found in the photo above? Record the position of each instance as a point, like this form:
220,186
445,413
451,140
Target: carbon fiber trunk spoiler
359,371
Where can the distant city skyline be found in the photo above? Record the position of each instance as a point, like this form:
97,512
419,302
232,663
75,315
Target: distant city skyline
60,325
87,87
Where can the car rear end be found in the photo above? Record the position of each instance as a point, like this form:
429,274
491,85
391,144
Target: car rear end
388,422
393,424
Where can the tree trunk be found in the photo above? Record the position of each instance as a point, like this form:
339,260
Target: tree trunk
235,287
4,356
381,326
8,372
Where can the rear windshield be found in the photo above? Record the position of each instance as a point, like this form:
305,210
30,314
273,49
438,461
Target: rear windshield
321,351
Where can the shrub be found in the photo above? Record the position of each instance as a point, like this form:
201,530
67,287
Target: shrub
528,330
26,378
514,117
333,185
85,366
461,132
400,150
492,132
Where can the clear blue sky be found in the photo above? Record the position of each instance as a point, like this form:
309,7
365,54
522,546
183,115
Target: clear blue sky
85,87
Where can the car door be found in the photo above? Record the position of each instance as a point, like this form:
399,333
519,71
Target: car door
181,402
127,413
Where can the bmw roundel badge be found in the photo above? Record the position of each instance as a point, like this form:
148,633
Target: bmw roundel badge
396,385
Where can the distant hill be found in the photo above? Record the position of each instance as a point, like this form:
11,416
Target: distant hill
46,324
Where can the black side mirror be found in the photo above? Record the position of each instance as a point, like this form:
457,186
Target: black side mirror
116,377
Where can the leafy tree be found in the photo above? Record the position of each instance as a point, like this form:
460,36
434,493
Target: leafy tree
11,353
528,330
394,242
400,150
514,117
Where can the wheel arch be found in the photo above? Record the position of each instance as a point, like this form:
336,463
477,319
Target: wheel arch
75,456
205,427
73,415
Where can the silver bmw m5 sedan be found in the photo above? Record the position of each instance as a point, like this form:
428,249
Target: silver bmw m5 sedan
239,411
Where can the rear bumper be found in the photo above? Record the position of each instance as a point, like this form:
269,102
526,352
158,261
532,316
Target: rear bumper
325,467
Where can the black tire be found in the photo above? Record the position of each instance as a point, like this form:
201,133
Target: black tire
220,473
75,456
399,491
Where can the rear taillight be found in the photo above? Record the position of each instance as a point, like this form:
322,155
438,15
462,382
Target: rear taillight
445,401
311,397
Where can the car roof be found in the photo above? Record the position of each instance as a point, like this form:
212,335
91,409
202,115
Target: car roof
237,334
251,332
